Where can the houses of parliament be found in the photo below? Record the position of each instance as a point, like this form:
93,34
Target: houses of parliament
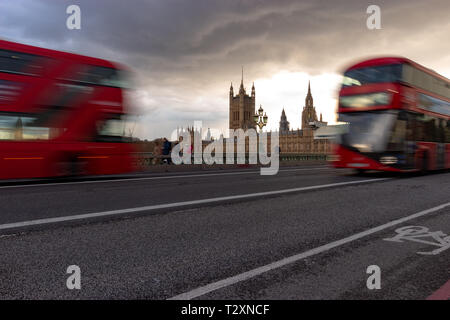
299,141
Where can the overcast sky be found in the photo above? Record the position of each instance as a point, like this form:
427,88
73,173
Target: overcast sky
185,53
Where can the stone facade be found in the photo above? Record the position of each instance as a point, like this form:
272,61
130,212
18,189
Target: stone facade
301,141
242,108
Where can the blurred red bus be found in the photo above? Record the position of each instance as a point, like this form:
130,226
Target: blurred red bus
60,114
398,115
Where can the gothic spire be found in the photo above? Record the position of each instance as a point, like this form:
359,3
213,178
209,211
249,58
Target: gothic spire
284,124
309,112
309,99
309,95
241,88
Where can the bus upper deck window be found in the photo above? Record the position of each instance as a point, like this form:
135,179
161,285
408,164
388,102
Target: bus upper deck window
375,74
101,76
22,63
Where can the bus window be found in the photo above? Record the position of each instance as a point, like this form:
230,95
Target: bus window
440,128
10,90
368,131
420,129
365,100
32,131
22,63
410,128
22,127
110,77
7,127
67,95
433,104
408,73
434,130
430,129
447,132
398,135
116,128
423,80
377,74
96,75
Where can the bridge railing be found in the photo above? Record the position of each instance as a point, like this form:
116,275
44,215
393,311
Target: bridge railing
146,159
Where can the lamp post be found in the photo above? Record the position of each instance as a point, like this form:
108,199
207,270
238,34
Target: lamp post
260,118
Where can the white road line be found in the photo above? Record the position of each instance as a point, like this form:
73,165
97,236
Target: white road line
153,178
175,204
281,263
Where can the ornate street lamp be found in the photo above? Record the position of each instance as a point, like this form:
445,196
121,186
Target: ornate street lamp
260,118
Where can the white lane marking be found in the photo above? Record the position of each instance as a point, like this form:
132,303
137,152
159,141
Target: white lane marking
154,178
176,204
283,262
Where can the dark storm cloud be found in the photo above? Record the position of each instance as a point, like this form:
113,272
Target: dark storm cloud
184,49
194,36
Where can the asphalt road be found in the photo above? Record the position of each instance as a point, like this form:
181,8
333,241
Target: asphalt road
306,233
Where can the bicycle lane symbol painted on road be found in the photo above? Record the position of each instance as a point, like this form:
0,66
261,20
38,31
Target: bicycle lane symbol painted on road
422,234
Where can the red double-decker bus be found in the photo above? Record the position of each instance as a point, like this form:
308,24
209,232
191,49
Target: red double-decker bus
398,116
60,114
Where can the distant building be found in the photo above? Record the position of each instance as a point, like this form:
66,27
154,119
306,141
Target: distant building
208,135
284,124
303,140
300,141
188,131
242,108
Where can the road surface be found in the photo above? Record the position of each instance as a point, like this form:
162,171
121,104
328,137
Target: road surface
307,233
